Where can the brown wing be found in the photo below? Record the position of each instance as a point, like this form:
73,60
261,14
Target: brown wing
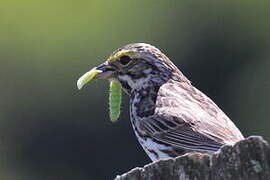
185,117
177,133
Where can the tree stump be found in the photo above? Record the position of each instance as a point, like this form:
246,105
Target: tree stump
248,159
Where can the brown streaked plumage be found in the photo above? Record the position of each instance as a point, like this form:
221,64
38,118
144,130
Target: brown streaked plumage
170,117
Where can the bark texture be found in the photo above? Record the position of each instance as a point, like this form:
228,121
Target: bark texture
248,159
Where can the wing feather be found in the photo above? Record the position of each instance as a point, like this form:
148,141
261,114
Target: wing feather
186,118
181,136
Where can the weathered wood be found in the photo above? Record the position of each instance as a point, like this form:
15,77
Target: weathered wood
248,159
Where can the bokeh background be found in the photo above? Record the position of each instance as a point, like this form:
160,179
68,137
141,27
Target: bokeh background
51,131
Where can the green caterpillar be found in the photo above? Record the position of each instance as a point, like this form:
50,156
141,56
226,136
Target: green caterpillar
115,96
115,99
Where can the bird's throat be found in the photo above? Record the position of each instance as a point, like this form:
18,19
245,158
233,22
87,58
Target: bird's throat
143,102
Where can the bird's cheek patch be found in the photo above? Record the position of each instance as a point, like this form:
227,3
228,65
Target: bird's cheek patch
115,99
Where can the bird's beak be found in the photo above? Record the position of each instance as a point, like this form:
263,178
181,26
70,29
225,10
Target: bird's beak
103,71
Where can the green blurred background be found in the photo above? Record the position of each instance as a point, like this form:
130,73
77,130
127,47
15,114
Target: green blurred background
50,131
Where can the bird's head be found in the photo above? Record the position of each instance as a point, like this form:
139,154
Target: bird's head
134,66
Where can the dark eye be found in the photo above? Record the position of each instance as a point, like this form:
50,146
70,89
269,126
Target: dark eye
124,60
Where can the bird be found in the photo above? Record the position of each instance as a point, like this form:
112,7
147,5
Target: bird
170,117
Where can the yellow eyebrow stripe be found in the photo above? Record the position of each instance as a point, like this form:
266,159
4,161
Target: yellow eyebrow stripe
129,53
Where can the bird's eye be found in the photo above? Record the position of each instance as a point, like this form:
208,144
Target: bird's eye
124,60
